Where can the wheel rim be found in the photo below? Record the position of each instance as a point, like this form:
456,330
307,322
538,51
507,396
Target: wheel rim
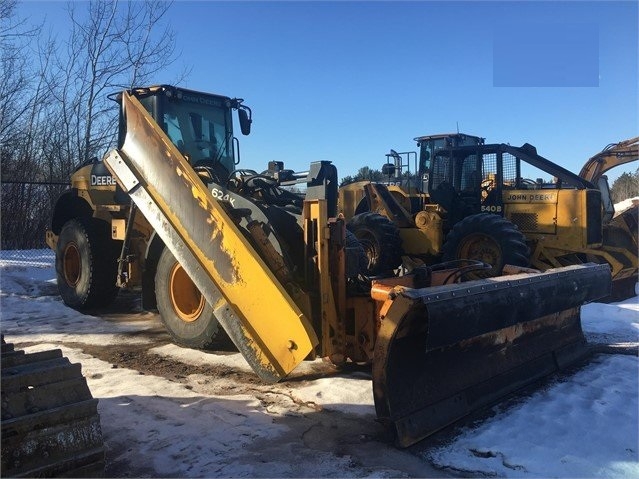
368,243
71,264
186,299
480,247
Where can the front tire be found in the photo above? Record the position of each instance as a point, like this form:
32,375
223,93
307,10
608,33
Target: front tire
488,238
379,237
187,316
86,264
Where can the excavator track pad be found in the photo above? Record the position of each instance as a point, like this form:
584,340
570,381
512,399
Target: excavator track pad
446,351
50,422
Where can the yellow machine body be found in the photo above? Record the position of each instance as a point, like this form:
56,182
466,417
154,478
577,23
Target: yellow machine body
571,221
283,277
195,227
559,227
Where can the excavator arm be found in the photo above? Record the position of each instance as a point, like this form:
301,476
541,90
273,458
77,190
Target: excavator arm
612,155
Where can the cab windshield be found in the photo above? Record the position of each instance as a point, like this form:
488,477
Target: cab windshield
430,146
200,126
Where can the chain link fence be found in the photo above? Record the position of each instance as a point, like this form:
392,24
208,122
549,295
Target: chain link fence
26,209
39,258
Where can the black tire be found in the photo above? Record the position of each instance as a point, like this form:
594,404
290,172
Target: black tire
86,264
356,259
186,315
488,238
380,239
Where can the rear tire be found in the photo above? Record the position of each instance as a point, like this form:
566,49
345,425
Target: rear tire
186,314
488,238
86,264
380,239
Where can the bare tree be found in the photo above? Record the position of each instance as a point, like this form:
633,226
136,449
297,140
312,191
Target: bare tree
54,111
112,46
15,71
20,108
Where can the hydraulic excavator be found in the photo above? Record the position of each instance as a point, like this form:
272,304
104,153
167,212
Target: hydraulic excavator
620,228
227,253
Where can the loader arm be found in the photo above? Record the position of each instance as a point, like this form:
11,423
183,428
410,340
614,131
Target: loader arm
611,156
268,328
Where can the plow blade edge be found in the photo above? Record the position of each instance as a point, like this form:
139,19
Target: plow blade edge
446,351
268,328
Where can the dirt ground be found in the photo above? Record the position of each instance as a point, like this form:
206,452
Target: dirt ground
310,428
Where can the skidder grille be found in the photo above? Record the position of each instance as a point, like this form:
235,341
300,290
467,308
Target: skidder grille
525,221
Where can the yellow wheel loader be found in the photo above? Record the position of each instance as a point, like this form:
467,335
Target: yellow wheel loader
231,253
472,200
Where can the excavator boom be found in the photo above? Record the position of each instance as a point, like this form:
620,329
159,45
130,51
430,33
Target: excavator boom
612,155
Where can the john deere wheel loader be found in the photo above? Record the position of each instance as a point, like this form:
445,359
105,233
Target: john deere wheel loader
475,203
216,248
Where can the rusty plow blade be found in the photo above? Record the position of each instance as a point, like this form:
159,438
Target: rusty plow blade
269,329
444,352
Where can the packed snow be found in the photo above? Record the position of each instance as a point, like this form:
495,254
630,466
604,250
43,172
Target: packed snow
625,205
189,423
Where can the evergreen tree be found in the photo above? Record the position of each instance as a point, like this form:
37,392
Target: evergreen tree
626,186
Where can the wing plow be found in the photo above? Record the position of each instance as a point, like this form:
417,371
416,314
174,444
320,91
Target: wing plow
444,352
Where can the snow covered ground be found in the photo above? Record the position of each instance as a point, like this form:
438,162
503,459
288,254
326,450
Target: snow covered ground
625,204
173,412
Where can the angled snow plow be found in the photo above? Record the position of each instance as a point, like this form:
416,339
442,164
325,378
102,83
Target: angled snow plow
446,351
284,279
208,243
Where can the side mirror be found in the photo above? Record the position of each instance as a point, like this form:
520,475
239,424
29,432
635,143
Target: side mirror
245,121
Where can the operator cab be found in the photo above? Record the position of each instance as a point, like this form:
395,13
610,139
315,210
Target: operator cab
430,144
199,124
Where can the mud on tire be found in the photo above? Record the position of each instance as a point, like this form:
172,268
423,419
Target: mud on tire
187,316
86,264
488,238
380,240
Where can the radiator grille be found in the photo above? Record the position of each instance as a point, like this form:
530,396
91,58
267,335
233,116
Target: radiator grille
525,221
